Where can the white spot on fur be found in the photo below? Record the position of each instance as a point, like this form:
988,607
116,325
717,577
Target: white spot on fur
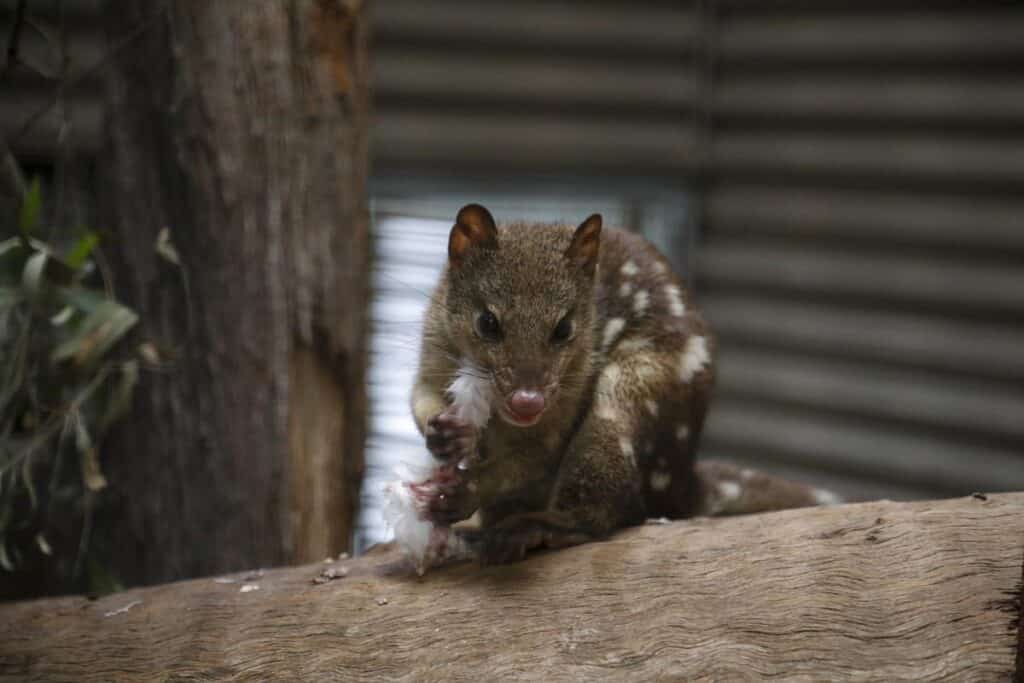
471,396
675,301
626,289
652,407
660,480
640,301
635,344
823,497
682,432
729,490
627,448
609,379
694,357
612,330
659,267
607,407
629,268
747,475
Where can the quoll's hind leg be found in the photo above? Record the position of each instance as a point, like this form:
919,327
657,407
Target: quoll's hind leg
674,485
649,407
669,427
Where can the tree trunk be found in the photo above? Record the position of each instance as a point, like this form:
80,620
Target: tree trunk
239,127
876,591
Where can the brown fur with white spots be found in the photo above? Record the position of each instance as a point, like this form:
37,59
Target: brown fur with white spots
624,394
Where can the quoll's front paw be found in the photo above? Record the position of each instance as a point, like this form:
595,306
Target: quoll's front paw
510,544
449,438
512,539
501,546
450,496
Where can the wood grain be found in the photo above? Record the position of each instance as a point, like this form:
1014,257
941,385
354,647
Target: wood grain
228,131
875,591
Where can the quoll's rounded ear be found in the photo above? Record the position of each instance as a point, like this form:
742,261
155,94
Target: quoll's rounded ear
586,243
474,228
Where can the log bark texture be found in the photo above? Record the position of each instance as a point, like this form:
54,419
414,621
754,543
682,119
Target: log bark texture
240,128
875,591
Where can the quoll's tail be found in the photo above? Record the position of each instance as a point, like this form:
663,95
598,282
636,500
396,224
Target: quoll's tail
729,490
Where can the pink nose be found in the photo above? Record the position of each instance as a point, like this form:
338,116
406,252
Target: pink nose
526,403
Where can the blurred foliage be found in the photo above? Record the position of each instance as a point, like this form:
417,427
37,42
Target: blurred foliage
62,386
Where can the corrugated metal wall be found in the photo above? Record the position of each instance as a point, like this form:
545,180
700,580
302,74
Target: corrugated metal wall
535,85
28,93
862,252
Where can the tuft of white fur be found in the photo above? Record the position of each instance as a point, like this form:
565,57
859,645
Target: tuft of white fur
729,490
675,301
405,501
471,396
401,512
640,301
825,497
611,332
694,358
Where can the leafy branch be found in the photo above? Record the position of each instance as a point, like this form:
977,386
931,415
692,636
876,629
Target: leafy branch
62,386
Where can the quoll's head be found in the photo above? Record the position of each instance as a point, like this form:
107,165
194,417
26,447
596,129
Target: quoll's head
520,303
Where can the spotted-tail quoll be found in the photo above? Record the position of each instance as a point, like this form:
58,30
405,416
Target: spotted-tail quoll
596,368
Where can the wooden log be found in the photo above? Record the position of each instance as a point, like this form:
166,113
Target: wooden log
875,591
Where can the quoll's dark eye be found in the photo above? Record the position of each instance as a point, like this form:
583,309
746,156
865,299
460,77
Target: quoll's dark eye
488,327
563,330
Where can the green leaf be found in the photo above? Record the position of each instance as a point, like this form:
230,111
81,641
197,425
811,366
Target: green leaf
32,274
9,298
5,559
6,502
62,316
30,485
44,545
9,244
166,248
121,396
101,329
12,261
28,215
85,300
92,475
82,250
42,267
